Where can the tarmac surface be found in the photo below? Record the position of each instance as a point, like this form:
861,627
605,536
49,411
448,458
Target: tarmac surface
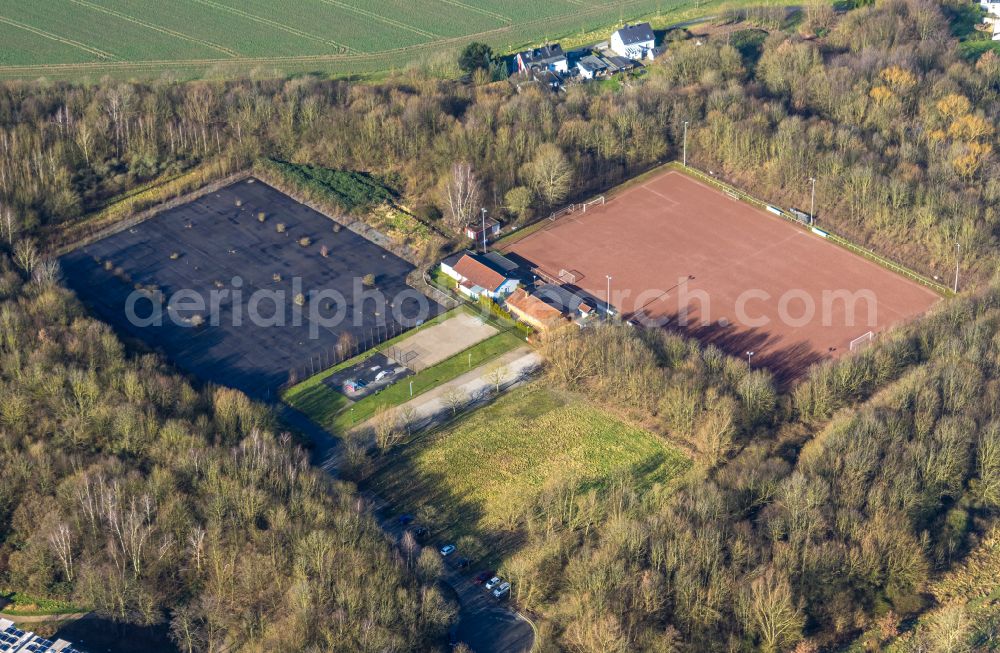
375,373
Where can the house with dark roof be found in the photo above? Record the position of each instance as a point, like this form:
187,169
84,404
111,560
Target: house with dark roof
548,57
591,67
573,303
481,231
634,41
617,64
492,275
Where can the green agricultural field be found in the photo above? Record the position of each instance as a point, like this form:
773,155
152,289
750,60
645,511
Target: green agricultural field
87,39
478,475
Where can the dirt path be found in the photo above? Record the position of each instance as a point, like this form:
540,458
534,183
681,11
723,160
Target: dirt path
43,618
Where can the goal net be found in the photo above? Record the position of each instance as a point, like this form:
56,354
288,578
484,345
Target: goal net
863,341
569,276
595,201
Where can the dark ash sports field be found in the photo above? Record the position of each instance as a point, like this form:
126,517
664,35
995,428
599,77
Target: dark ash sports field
203,245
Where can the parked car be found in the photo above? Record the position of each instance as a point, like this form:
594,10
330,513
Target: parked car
493,582
420,532
483,576
502,591
462,563
405,519
447,550
381,375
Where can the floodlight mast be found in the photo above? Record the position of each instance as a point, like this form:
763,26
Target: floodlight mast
484,230
609,294
812,205
685,143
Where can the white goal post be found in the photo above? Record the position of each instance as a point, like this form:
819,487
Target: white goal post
596,200
862,341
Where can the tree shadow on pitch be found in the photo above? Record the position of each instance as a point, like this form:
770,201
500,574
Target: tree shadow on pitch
787,362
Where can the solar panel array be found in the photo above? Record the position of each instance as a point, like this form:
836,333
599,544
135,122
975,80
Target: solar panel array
15,640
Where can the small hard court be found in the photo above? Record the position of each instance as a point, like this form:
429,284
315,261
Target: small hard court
436,343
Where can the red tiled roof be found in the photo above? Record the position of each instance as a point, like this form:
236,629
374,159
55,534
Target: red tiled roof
479,274
532,308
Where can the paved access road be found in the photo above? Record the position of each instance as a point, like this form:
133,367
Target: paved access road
474,385
485,624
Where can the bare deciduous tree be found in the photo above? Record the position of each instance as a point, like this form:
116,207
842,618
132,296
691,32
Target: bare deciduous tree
46,273
454,399
766,609
26,255
550,174
196,540
9,227
496,376
463,195
61,541
387,429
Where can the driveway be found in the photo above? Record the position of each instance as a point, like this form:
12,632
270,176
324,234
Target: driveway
472,386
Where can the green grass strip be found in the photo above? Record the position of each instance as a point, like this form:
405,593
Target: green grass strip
428,379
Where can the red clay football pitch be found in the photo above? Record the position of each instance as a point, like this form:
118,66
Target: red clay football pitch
685,255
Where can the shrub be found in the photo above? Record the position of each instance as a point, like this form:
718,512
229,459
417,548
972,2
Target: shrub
239,203
518,201
280,227
368,280
174,256
324,251
276,276
261,216
349,190
300,299
305,241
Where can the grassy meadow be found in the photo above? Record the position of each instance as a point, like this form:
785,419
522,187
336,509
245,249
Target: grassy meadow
481,473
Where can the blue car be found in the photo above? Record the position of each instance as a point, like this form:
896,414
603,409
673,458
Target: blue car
447,550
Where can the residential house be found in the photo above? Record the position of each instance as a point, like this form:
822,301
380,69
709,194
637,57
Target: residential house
591,67
633,41
492,275
476,229
548,57
572,303
534,311
617,64
992,17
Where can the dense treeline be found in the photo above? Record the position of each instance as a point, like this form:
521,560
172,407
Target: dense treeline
814,515
125,491
898,130
877,472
